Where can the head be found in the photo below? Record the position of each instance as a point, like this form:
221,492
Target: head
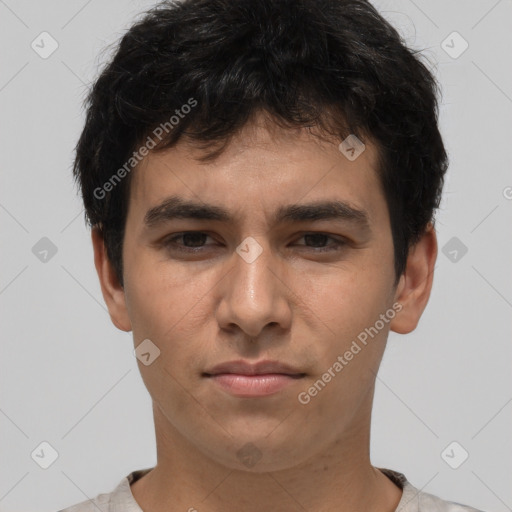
240,107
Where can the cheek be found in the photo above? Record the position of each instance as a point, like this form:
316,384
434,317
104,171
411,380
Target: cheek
348,308
347,302
174,311
162,308
347,314
159,296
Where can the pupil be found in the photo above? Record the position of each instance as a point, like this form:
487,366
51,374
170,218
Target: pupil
316,237
191,237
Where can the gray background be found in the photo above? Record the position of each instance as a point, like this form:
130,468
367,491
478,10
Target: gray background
68,375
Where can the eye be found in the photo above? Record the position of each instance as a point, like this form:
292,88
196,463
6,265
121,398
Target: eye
195,242
192,241
318,241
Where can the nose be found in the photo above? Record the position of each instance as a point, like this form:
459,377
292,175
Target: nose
255,294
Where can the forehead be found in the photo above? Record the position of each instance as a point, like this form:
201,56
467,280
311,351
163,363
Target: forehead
261,169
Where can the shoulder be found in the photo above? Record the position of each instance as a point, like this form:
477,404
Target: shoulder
428,502
415,500
120,498
100,502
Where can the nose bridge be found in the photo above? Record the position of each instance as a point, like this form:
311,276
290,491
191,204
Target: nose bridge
251,297
252,285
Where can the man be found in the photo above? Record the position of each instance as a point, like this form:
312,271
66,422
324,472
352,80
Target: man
261,179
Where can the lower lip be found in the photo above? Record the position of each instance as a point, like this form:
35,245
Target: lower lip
253,385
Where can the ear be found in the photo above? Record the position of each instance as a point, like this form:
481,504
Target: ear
112,291
415,285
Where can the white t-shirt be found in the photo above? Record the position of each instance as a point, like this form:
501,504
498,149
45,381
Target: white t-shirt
413,500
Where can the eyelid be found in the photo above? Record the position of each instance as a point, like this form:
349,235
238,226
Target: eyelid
170,239
337,238
338,241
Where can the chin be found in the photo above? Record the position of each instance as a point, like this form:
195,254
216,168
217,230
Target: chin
259,453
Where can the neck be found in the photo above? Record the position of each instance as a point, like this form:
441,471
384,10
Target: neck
341,478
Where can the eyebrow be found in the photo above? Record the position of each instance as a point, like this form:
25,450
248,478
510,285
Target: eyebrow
176,207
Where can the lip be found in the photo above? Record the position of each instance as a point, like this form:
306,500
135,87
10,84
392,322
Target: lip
246,380
242,367
251,386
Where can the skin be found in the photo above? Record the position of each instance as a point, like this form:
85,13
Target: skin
291,304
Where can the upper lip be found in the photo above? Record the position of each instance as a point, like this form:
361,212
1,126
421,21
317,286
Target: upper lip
260,368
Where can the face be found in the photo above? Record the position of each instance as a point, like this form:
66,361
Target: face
260,271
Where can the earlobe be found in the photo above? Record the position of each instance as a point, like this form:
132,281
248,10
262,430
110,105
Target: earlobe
113,292
415,285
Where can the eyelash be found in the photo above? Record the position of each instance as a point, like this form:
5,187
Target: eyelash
170,242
